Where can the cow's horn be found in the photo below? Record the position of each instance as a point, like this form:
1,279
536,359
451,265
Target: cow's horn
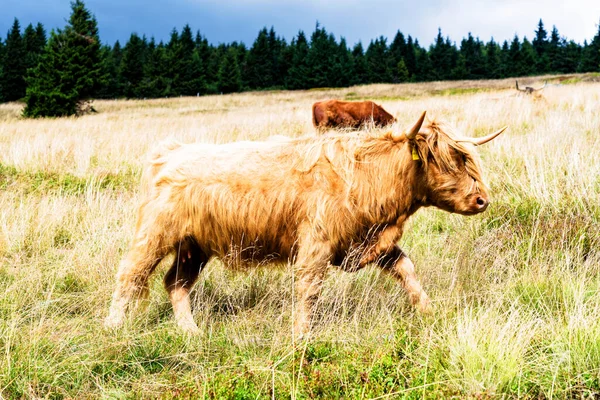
542,86
412,133
485,139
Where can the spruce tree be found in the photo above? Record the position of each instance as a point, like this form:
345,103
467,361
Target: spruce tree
527,65
361,68
401,72
504,60
34,40
189,67
111,82
297,77
320,56
12,78
410,58
571,56
216,55
443,55
343,65
460,70
132,66
278,69
203,51
260,62
230,79
472,51
378,61
397,53
425,70
493,61
540,45
69,70
513,64
154,83
590,55
174,52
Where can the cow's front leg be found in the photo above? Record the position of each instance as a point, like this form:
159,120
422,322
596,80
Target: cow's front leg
310,266
396,263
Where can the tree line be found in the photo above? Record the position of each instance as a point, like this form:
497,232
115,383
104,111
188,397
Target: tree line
54,74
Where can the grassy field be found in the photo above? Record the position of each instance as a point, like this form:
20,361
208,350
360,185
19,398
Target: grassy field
516,290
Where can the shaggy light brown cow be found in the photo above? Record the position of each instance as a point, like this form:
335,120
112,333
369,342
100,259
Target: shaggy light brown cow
348,114
338,200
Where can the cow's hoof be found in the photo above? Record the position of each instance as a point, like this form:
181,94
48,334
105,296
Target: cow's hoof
189,327
112,322
424,305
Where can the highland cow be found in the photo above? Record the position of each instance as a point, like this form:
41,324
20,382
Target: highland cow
347,114
339,200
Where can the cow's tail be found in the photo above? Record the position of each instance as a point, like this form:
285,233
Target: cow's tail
157,157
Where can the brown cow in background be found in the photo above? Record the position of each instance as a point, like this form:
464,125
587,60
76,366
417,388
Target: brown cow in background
339,200
349,114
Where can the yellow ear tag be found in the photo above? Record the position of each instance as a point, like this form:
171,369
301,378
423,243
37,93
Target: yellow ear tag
415,155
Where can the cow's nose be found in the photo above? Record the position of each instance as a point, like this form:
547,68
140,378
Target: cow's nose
482,203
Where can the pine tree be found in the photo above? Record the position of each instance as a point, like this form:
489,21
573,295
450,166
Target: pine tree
276,46
378,61
410,58
402,74
190,80
424,71
590,55
397,53
203,50
540,45
1,61
504,60
260,66
132,66
571,56
460,71
230,79
34,40
297,77
111,82
343,65
513,64
493,61
319,58
12,78
443,55
528,59
154,83
472,51
216,56
361,69
69,70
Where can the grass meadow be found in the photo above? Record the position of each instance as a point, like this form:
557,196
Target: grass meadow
515,290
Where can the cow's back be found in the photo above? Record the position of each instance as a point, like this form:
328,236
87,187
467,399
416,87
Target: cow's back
248,198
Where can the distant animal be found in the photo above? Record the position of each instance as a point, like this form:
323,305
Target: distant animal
529,89
348,114
339,200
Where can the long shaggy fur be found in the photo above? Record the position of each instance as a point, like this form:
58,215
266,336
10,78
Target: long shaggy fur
340,199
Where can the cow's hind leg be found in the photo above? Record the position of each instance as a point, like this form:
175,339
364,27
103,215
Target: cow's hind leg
310,266
132,278
397,264
180,278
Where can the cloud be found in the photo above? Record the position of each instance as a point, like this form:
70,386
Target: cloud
356,20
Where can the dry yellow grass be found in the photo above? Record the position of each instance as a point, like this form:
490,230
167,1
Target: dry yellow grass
515,290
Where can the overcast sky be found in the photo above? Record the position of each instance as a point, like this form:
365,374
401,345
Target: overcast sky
223,21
